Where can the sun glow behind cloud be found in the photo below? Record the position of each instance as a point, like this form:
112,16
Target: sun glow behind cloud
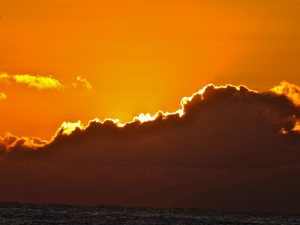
133,63
290,90
68,128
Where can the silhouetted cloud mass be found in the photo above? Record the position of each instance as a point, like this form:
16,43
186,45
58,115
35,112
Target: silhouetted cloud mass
227,148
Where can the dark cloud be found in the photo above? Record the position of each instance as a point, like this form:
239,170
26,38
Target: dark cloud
11,142
229,148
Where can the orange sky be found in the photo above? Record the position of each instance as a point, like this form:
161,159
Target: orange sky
136,56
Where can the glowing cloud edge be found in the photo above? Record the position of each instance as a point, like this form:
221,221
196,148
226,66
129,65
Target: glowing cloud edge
67,128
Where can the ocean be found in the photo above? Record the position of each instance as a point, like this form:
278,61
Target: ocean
23,214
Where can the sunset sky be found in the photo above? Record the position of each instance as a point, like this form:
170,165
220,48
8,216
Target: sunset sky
137,56
151,103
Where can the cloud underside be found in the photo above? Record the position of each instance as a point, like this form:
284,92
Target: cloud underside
227,148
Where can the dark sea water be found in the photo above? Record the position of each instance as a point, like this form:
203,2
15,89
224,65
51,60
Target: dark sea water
17,214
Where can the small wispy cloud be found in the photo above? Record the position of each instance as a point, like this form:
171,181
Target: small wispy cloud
39,82
33,81
43,82
82,82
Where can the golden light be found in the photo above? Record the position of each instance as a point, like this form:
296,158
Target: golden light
297,127
68,127
290,90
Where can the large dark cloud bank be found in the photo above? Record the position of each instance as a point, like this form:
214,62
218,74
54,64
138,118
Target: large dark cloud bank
232,149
